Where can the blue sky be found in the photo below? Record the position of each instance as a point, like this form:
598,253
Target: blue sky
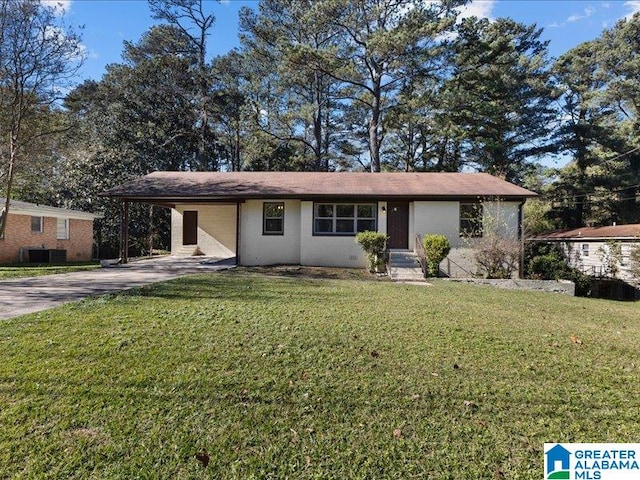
107,24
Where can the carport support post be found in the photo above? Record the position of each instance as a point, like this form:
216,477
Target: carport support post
124,233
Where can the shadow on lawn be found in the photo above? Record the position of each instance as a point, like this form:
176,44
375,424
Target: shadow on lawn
224,286
251,284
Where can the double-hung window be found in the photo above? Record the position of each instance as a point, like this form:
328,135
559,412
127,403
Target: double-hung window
471,220
62,229
585,249
343,218
36,224
273,218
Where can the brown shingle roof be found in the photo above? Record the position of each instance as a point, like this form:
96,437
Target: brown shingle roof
241,185
611,231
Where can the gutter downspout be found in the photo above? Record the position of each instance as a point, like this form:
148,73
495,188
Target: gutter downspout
238,232
521,234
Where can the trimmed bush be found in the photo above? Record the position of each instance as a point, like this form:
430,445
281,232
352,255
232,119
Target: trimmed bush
548,267
551,265
436,249
374,245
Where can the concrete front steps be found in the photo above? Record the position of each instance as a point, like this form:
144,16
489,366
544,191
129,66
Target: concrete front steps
188,251
405,267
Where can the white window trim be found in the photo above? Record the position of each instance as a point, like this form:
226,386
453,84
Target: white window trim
583,250
41,224
66,229
335,218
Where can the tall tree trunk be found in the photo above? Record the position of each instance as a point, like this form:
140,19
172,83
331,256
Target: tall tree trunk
236,150
374,140
374,122
327,131
4,213
317,129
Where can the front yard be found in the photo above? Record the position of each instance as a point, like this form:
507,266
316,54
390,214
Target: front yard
242,375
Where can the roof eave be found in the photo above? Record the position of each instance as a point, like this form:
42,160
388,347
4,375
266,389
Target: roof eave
583,239
311,197
59,213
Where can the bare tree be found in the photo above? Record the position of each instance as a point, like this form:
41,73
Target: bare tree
39,56
493,240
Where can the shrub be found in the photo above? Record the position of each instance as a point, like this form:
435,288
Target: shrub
374,245
496,256
436,249
583,282
550,266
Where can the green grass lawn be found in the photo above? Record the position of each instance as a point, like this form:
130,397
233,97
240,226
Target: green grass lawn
268,377
20,270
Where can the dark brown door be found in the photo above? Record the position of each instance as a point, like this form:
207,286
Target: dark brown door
398,224
190,227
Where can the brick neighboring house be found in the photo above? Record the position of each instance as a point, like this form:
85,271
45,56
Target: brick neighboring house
40,227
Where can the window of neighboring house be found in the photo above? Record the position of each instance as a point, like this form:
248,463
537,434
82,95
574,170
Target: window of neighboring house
36,224
585,249
273,218
343,218
471,220
62,232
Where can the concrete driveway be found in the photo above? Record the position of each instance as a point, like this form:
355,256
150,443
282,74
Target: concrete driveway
33,294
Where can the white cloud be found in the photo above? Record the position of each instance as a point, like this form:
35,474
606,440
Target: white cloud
477,8
634,6
60,7
58,36
587,13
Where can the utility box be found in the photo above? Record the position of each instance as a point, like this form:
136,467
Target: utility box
47,255
57,256
38,255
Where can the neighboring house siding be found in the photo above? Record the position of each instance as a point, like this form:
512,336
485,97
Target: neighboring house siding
216,229
257,248
593,264
79,245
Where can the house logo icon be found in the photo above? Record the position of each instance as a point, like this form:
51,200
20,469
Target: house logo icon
557,463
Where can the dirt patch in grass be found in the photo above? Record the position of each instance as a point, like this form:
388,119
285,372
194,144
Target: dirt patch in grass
311,272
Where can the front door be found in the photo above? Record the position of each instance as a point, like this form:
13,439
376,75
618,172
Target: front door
398,224
190,227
